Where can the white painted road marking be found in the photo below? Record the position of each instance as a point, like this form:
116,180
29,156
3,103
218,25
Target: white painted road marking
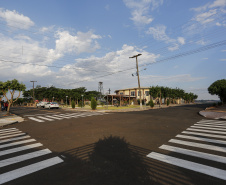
8,133
203,134
24,157
17,143
211,121
38,120
8,130
193,153
202,139
207,128
13,139
42,117
54,117
18,149
6,177
211,126
208,131
14,135
214,172
199,145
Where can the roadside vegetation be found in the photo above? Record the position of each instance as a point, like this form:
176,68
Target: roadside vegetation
171,95
218,88
10,86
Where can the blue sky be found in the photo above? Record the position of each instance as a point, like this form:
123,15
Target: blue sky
72,44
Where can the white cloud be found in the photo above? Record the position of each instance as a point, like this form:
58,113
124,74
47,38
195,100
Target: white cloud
201,42
207,16
204,18
16,20
218,3
174,47
47,29
175,78
159,33
215,4
76,44
181,40
222,59
223,50
140,10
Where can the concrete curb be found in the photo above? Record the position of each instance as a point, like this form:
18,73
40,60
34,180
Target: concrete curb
10,120
213,115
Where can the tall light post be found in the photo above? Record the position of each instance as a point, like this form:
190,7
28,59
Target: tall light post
66,100
33,90
135,56
82,100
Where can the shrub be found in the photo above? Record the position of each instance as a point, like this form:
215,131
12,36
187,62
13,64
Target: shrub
93,104
168,102
214,104
73,104
152,104
80,104
219,103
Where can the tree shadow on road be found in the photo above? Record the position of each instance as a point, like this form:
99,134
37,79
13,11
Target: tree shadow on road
110,161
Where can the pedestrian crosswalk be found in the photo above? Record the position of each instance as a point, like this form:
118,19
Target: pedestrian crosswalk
205,140
54,117
17,149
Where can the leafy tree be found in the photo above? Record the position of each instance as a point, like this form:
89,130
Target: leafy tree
2,92
12,86
151,104
93,103
218,88
73,104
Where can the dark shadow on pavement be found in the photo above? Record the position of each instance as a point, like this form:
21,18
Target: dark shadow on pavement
110,161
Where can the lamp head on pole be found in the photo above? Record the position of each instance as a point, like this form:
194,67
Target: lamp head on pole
136,56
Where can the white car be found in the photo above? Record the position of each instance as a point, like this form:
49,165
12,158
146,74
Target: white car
50,105
41,104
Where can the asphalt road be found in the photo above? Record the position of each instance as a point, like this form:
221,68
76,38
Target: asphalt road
99,148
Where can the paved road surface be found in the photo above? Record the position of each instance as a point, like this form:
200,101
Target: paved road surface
165,146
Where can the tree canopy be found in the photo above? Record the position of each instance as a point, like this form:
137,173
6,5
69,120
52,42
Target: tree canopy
166,92
58,93
218,88
11,86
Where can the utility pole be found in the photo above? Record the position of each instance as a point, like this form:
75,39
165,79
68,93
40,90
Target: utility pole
135,56
109,90
33,90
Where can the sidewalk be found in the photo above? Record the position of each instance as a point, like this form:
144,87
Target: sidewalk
218,112
6,119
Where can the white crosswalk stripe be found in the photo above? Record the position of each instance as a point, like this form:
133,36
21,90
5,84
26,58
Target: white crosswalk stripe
29,162
209,136
54,117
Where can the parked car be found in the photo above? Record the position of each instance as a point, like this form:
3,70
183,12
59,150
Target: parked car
50,105
41,104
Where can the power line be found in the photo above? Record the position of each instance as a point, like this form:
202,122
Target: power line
198,50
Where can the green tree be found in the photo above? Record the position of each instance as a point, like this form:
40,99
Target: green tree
151,104
12,86
93,103
73,104
218,88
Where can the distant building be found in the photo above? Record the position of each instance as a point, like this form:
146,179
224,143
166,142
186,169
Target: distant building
132,94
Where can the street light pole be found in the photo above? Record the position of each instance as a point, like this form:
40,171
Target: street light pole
135,56
66,101
33,90
82,100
